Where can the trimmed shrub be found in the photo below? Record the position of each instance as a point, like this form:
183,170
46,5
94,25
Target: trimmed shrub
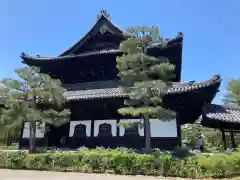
122,161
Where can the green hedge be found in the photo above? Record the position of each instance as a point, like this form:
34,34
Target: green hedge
126,162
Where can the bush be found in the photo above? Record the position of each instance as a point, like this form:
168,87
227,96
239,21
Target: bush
122,161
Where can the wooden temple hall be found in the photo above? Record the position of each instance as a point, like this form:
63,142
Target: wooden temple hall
88,72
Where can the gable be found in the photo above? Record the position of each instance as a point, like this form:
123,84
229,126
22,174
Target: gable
103,31
99,42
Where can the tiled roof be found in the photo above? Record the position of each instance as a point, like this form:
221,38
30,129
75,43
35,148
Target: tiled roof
92,53
167,43
94,94
117,92
67,52
224,113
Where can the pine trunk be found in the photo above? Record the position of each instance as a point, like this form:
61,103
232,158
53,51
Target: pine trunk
32,139
7,138
147,129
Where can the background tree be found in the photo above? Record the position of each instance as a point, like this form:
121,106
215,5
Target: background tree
233,97
233,92
8,136
145,78
26,100
192,132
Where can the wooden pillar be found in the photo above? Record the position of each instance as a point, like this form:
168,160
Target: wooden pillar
92,127
233,140
179,134
224,139
118,129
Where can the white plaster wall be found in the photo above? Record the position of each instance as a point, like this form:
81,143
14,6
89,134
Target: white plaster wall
87,123
163,129
122,129
158,128
40,130
112,122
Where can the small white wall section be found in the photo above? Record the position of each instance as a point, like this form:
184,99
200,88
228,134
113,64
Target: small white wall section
122,129
158,128
112,122
163,129
87,123
40,130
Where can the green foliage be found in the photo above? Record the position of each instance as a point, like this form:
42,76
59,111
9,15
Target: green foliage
121,161
26,100
145,78
233,95
8,136
130,124
212,137
191,133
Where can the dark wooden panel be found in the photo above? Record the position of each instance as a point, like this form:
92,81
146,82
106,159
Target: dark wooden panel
24,143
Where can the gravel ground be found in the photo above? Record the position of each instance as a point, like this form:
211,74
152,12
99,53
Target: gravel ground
6,174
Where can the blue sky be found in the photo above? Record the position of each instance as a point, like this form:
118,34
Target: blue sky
47,27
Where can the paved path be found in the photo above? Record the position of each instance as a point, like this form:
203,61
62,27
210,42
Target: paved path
44,175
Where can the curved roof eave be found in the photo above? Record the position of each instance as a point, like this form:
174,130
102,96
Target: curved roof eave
27,57
178,88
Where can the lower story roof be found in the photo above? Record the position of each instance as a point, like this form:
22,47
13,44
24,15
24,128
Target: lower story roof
116,92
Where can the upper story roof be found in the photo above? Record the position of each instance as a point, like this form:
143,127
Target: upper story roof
103,27
27,57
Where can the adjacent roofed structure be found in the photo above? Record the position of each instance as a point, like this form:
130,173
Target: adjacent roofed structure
221,116
226,118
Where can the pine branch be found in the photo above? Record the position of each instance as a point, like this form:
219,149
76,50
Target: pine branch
23,96
144,78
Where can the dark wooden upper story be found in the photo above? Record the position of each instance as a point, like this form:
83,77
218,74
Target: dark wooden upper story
93,58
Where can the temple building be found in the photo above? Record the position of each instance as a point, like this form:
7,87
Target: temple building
88,72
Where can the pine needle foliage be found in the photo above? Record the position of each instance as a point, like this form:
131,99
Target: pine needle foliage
22,98
233,92
144,78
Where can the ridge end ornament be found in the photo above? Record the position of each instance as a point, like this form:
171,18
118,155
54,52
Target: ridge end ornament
105,14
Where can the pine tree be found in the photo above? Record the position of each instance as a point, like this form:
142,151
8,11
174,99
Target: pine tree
35,98
144,78
233,94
